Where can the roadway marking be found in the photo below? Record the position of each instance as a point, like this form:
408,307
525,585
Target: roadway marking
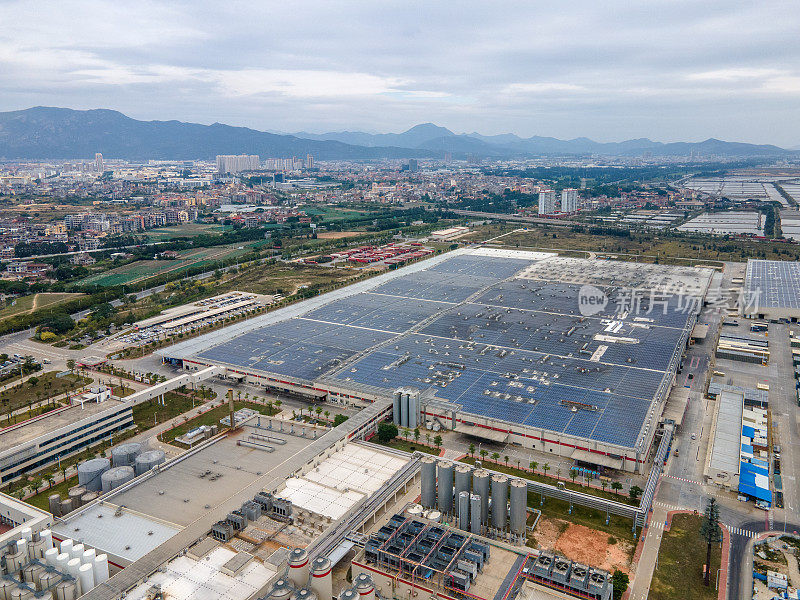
670,506
742,532
682,479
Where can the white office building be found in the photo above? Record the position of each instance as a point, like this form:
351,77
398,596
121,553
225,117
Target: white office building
569,200
547,202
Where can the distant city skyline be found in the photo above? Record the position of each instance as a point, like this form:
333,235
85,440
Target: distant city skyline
677,71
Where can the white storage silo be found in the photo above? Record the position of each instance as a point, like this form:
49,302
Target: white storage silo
77,551
321,578
364,586
116,477
50,556
100,569
90,472
298,567
86,578
88,556
147,460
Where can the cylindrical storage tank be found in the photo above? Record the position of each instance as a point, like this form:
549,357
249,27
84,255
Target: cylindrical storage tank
32,573
519,507
404,409
304,594
66,546
86,578
499,501
480,486
22,547
19,594
67,590
415,510
463,511
61,561
445,487
47,537
463,476
27,533
90,471
435,516
75,495
281,590
147,460
364,586
73,564
321,578
413,411
66,506
89,497
428,465
298,567
5,588
88,556
475,514
100,569
125,455
77,551
48,580
398,395
16,561
36,549
50,556
116,477
54,503
348,595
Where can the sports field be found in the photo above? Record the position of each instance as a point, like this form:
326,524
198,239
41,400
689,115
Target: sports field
186,230
144,269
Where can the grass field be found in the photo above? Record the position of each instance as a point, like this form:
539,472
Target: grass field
407,446
144,269
186,230
212,417
680,563
35,301
47,385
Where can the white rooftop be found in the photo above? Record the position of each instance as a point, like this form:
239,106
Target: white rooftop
185,578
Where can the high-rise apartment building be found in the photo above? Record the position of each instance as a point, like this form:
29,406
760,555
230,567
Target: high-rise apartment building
547,202
99,165
569,200
236,163
309,162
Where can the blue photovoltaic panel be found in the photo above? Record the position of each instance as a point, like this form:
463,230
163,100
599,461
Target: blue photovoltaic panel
516,350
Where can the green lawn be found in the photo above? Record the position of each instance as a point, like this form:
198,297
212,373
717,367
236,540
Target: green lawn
680,563
186,230
212,417
47,385
408,446
40,500
149,414
35,301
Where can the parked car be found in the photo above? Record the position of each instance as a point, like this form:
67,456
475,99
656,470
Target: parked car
741,498
762,505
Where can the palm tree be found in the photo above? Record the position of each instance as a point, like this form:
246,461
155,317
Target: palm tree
437,441
472,449
495,456
483,453
416,434
573,473
603,484
505,459
533,464
327,414
428,438
545,468
616,486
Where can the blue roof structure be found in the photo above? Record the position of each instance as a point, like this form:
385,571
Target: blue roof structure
755,492
472,331
748,431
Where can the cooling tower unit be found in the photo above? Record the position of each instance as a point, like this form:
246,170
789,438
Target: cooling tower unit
445,485
147,460
364,586
428,482
298,567
90,472
475,514
519,507
463,511
463,478
116,477
125,455
480,486
499,501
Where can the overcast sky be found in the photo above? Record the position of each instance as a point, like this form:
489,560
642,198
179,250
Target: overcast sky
609,70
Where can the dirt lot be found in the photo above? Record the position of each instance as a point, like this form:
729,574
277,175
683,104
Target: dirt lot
337,235
584,545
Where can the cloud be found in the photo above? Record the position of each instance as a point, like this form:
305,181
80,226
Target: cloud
544,87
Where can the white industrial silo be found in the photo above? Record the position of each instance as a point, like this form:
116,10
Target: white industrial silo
321,578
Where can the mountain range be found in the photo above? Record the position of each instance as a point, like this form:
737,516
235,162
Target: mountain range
62,133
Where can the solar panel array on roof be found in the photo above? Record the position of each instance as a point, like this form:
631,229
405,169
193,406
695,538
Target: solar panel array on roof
773,283
492,335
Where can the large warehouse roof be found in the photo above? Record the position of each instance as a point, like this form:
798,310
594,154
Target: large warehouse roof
500,334
772,284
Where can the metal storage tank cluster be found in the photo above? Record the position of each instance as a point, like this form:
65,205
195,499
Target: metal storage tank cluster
445,487
480,486
428,482
463,479
116,477
519,507
405,408
463,511
499,501
90,472
147,460
125,455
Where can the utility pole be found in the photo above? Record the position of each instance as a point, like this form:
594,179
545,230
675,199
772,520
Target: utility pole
230,407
